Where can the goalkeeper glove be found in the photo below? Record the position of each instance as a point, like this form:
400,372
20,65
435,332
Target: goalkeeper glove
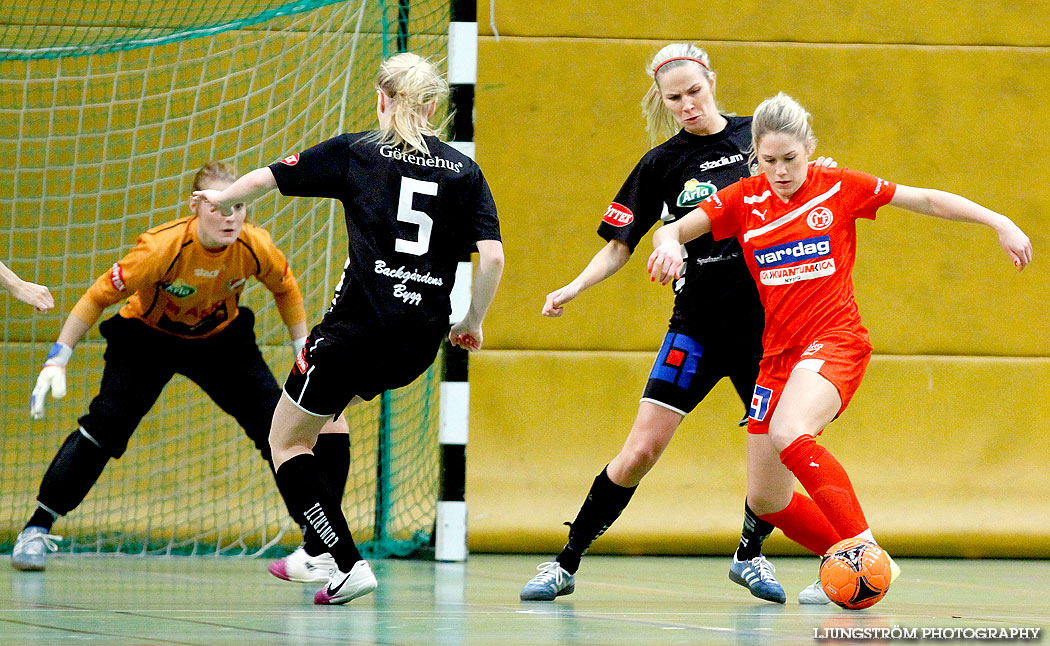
52,377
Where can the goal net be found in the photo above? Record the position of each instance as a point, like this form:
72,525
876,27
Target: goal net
107,110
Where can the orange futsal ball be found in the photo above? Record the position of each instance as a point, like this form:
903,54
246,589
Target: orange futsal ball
855,573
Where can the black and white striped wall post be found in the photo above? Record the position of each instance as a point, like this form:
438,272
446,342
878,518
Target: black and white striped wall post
450,543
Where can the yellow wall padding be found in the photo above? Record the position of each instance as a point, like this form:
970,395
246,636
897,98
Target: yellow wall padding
932,22
947,454
559,129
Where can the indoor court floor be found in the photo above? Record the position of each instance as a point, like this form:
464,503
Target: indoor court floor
120,601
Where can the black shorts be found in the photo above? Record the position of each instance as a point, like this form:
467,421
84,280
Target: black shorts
685,370
140,361
330,371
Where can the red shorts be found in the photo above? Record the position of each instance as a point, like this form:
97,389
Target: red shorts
840,357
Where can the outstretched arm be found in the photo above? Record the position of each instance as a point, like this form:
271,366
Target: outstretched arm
949,206
666,261
605,263
249,187
467,333
29,293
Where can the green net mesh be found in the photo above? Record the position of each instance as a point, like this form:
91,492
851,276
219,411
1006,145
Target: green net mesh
107,109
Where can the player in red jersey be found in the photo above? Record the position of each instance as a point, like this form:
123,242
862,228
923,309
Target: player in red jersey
797,226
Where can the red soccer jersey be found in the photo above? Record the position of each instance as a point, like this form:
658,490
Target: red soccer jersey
801,252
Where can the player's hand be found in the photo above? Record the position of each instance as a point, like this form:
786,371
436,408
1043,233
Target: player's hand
666,262
1016,245
825,162
52,377
553,306
466,336
32,294
213,197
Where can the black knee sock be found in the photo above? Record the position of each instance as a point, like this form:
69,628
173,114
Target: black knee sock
754,533
605,501
332,451
301,486
73,471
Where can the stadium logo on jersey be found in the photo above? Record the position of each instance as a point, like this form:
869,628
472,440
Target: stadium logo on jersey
789,252
723,161
618,215
116,277
180,289
236,284
291,160
760,403
204,273
819,218
695,192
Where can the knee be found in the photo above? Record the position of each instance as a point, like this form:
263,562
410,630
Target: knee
637,460
782,434
767,500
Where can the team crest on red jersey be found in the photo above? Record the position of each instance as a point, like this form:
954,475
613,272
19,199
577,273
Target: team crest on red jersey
820,218
618,215
291,160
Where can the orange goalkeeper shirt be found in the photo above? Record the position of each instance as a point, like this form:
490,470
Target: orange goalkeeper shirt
175,285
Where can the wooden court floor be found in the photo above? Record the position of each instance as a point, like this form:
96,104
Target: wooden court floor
120,601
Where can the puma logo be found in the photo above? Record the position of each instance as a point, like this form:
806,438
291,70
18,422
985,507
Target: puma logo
760,214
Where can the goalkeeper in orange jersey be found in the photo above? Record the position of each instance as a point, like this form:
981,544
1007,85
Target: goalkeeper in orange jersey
182,282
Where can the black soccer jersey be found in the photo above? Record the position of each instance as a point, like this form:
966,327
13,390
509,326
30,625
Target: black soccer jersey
409,219
716,295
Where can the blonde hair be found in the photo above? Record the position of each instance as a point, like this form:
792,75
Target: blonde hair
413,83
659,122
214,171
783,114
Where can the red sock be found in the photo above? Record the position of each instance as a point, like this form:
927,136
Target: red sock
803,522
826,481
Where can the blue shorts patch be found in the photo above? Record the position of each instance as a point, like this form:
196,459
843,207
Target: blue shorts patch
676,363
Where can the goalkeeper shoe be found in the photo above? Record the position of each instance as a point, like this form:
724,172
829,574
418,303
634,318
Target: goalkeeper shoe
552,581
347,586
31,547
303,568
757,576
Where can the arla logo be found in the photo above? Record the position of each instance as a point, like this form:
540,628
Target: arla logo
291,160
618,215
695,192
819,218
180,289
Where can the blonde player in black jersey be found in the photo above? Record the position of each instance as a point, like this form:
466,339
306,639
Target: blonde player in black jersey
716,328
414,205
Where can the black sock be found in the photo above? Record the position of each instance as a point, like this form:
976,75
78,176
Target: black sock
605,501
332,451
301,486
754,533
72,473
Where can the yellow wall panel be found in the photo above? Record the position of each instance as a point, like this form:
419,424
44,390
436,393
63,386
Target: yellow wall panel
948,455
996,22
559,128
